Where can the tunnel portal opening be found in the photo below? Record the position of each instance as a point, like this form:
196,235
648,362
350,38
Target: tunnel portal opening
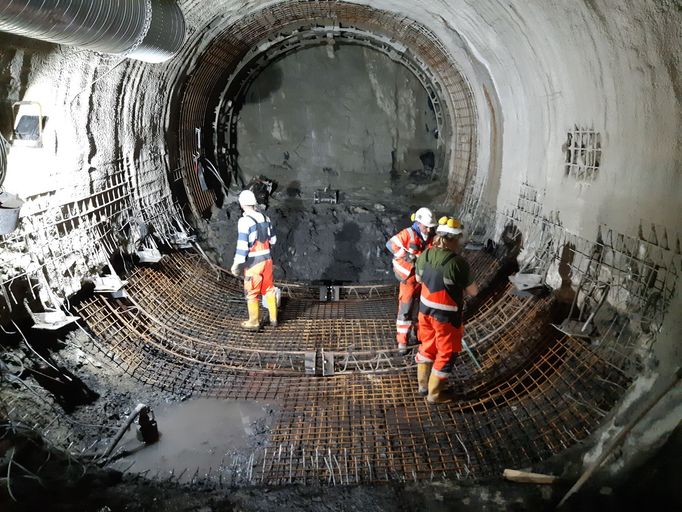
353,132
328,110
351,137
320,241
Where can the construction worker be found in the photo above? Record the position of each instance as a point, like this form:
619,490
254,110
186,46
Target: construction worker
406,246
445,278
252,258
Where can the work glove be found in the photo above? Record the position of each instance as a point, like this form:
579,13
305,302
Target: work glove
236,269
409,257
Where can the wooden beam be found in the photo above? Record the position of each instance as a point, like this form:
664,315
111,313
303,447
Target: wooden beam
525,477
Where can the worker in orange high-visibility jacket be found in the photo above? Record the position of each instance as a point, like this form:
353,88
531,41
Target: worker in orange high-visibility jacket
252,258
445,278
406,246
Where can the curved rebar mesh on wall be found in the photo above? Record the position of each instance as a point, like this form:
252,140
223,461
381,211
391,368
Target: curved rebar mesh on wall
232,45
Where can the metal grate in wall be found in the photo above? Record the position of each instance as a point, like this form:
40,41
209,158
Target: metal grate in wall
583,154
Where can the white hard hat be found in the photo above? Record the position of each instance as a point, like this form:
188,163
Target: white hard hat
247,198
425,216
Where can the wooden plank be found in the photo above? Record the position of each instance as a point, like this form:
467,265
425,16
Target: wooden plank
525,477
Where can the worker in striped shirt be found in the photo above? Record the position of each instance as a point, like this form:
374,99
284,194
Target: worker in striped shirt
252,259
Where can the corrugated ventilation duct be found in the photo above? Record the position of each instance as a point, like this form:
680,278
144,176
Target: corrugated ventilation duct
146,30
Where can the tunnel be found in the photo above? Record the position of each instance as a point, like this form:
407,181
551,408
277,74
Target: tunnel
128,130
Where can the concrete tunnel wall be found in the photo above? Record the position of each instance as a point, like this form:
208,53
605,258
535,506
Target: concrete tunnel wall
536,70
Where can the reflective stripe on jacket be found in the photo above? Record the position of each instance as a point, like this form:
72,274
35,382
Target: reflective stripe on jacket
406,242
441,297
255,236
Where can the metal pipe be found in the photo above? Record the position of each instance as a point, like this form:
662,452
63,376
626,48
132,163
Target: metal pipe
123,430
146,30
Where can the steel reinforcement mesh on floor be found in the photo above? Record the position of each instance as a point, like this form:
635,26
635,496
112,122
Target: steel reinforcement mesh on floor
525,392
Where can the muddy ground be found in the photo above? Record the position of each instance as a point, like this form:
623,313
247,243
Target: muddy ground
64,487
38,475
79,399
320,242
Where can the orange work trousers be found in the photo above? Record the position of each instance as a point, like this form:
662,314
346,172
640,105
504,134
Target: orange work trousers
258,280
408,306
440,342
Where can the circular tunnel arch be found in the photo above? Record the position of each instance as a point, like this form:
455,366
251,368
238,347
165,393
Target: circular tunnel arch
222,59
542,442
298,38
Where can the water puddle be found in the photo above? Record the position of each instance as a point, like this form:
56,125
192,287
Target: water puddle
199,438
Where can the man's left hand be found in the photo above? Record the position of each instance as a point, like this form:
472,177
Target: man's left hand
236,269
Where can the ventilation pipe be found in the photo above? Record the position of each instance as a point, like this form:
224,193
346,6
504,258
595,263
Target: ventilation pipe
146,30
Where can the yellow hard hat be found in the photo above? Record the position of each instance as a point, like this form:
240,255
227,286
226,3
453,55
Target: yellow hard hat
449,226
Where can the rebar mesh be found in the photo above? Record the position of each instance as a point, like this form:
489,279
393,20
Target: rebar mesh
536,393
233,44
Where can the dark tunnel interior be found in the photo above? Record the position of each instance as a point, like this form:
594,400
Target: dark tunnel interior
136,371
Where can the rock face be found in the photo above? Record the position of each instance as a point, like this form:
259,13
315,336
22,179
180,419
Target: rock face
317,242
345,119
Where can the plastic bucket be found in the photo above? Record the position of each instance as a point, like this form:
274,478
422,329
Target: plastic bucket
9,212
